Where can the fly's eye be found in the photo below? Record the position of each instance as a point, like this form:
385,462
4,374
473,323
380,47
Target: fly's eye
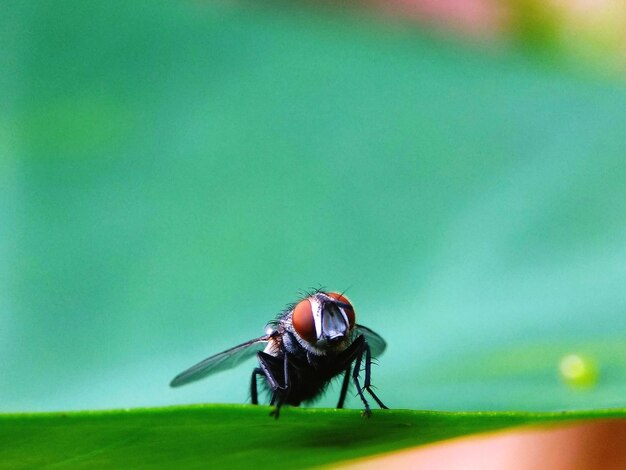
303,321
349,310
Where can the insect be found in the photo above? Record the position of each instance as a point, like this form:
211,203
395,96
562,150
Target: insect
311,342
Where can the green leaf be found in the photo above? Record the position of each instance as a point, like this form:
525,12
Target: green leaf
238,436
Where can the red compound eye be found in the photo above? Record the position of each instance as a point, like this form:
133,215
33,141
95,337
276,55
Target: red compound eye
349,311
303,321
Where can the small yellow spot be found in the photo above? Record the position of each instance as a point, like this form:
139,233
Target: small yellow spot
578,371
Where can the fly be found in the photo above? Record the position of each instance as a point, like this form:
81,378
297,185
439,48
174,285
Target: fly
311,342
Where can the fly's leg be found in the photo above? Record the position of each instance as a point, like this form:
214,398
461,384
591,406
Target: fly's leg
344,388
368,384
268,364
253,385
279,403
285,389
365,350
355,376
272,368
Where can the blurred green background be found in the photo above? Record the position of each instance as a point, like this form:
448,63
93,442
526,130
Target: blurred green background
173,173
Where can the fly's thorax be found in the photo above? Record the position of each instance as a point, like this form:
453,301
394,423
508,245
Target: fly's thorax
322,323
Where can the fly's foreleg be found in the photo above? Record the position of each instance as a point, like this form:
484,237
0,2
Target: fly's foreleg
284,393
344,388
273,367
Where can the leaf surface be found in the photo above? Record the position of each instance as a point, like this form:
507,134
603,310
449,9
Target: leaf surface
229,436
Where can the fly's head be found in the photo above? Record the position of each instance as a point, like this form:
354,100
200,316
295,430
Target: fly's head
323,322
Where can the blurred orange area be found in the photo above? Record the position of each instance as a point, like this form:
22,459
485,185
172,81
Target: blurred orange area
592,29
589,445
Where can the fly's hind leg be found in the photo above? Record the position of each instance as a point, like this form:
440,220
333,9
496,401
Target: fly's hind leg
368,376
253,385
355,376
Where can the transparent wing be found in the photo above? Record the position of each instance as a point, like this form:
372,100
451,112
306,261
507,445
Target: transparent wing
376,342
225,360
